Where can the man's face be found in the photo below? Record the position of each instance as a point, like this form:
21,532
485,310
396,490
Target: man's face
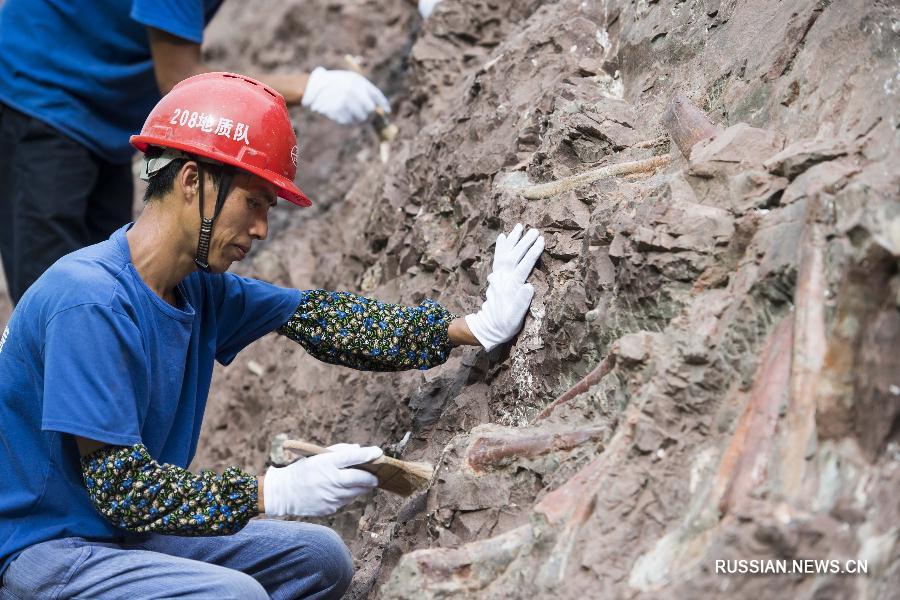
244,218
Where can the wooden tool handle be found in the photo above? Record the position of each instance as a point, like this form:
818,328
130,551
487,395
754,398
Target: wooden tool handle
305,447
312,450
387,131
353,64
398,476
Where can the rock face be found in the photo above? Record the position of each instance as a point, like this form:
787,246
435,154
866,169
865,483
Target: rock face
732,316
732,311
736,313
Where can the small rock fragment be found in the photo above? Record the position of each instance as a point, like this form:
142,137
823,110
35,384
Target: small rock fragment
635,347
740,144
277,455
256,368
801,155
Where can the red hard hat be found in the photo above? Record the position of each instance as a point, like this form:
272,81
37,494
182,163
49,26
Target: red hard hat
232,119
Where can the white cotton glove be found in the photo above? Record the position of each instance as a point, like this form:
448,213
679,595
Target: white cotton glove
426,6
321,484
343,96
508,296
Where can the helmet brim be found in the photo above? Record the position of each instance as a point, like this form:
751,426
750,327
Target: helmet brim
287,189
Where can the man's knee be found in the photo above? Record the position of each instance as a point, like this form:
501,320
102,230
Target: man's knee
234,584
312,560
335,562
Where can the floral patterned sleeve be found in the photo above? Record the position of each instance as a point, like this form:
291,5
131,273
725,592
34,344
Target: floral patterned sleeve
345,329
137,493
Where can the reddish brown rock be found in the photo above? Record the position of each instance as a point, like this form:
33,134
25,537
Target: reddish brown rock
490,447
703,257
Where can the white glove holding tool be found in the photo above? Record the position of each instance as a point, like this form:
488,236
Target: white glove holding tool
508,296
321,484
426,6
343,96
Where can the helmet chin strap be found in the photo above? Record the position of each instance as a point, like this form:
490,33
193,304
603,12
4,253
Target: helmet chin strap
206,225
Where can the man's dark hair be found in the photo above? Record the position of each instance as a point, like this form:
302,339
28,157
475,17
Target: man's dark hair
163,181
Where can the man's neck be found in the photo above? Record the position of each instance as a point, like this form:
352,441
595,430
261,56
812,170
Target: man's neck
158,251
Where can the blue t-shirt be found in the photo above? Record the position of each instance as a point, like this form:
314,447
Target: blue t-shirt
85,68
90,350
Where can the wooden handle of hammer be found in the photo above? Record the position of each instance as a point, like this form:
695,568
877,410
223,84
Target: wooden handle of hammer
354,66
386,130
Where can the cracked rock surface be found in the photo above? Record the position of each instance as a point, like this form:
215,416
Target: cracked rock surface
735,313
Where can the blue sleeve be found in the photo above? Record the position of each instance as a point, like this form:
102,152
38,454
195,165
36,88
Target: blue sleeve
96,375
181,18
247,310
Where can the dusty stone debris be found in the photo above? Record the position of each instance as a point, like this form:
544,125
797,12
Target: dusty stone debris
710,369
707,370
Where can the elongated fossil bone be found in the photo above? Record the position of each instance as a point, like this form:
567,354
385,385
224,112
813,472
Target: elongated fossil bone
552,188
494,447
582,386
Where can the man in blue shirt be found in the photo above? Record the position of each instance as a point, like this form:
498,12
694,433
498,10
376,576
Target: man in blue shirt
76,79
106,364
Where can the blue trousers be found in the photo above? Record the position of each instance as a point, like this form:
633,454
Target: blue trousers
266,559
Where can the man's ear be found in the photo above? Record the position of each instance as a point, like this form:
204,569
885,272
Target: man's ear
188,180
